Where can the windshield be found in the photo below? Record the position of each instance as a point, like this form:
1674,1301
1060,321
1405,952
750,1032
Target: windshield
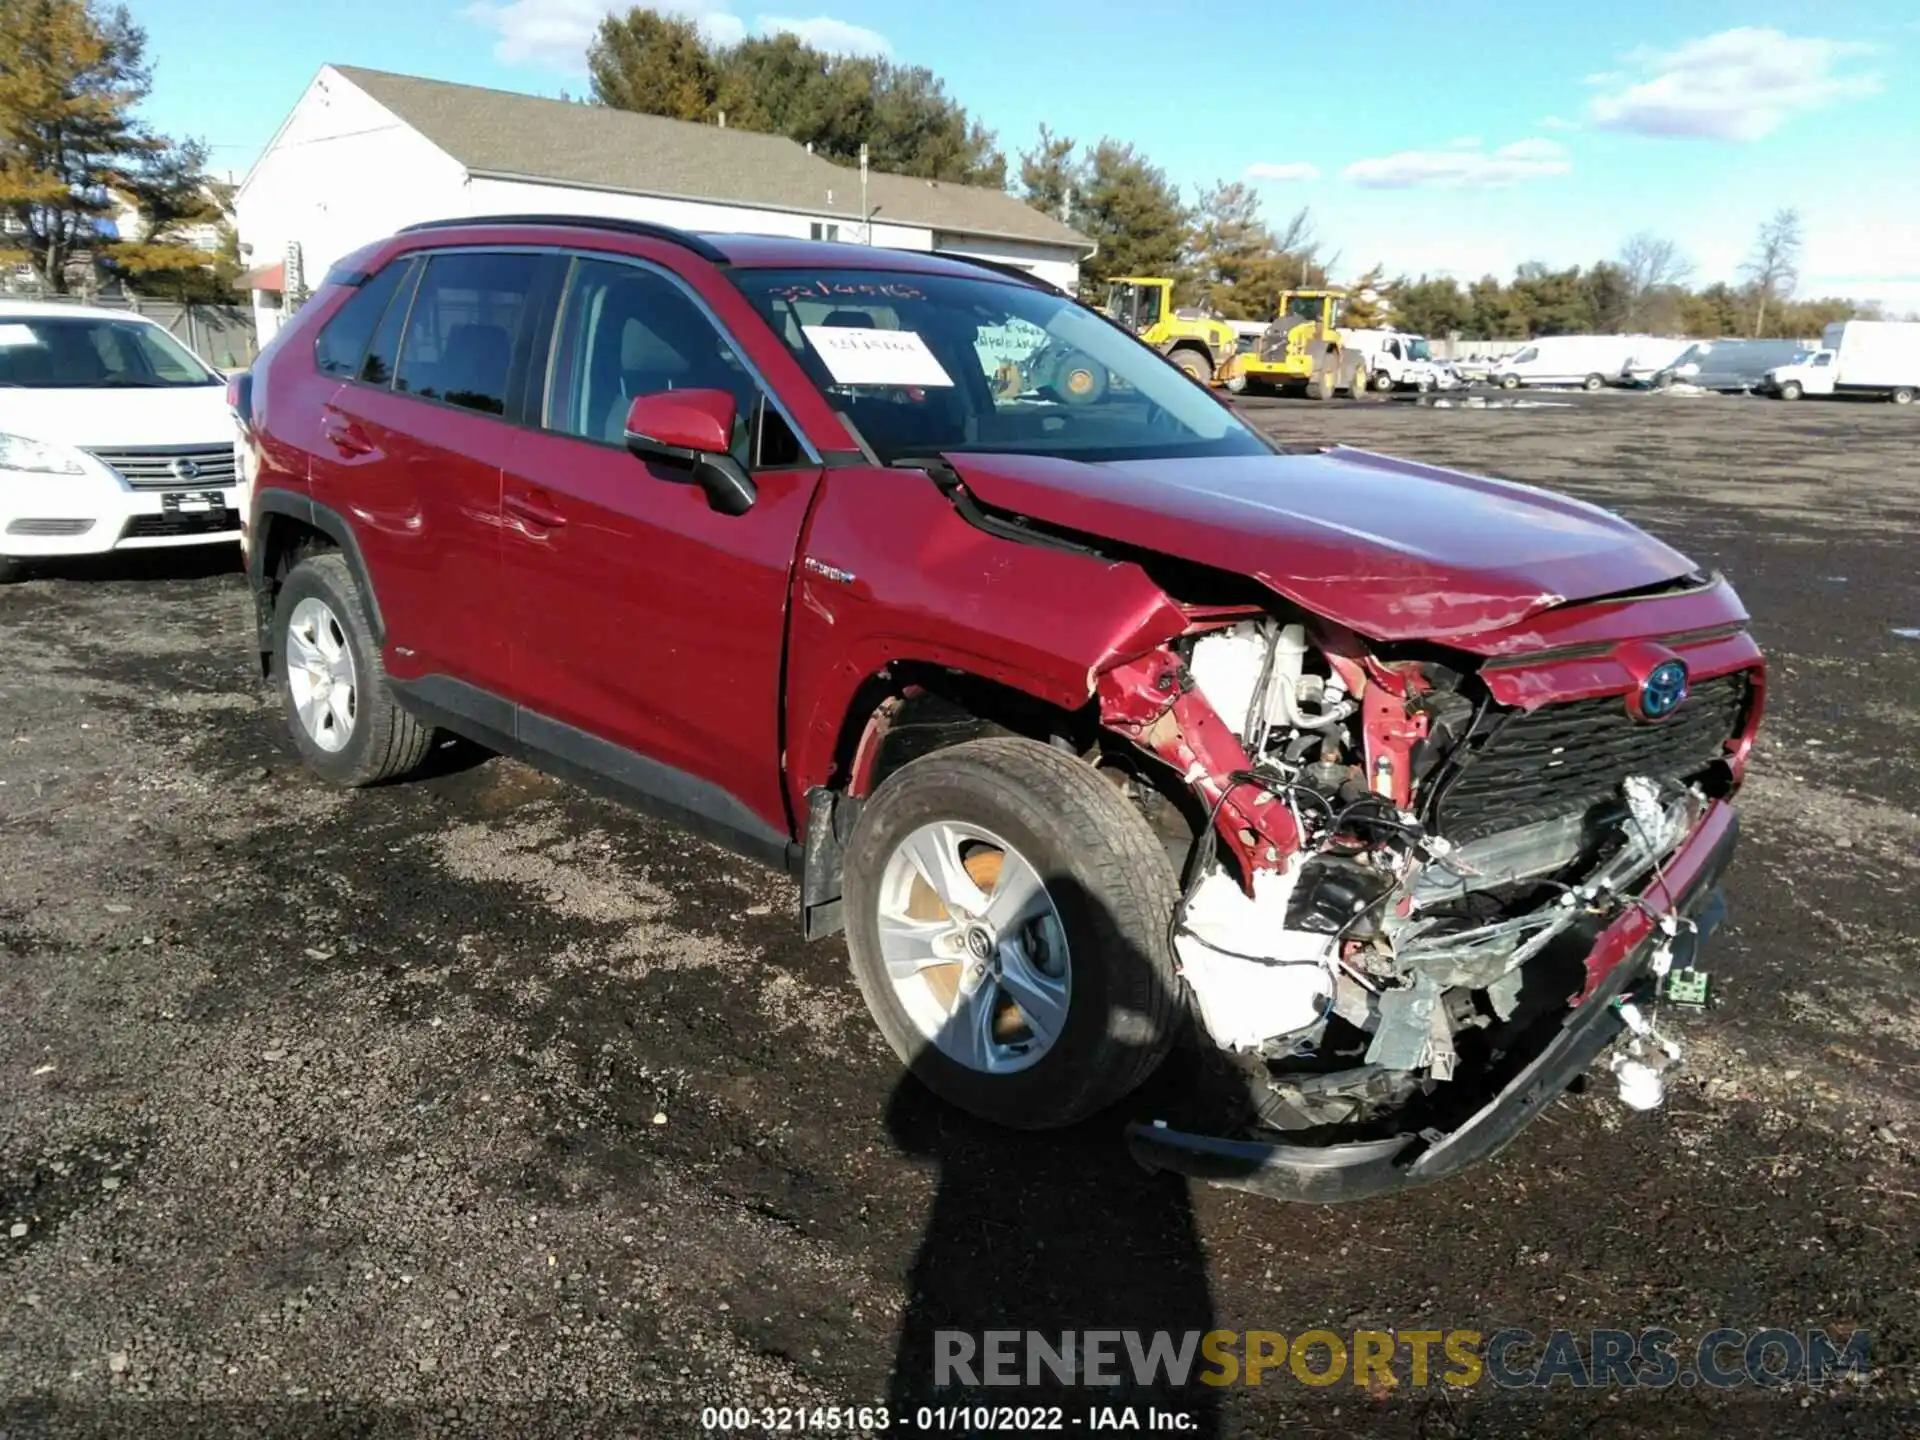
1418,349
931,364
42,352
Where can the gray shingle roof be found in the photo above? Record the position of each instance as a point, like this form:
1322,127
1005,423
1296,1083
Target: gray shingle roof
498,132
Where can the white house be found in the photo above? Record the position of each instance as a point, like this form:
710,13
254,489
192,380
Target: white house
365,153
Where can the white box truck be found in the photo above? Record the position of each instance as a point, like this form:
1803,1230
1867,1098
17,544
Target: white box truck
1856,357
1588,361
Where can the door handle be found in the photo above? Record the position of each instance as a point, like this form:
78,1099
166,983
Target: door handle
345,436
534,509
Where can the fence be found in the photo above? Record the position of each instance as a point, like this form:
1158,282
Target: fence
221,335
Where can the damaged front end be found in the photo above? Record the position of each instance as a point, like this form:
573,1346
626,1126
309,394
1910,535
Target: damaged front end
1429,891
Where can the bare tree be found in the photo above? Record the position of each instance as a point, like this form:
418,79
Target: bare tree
1655,269
1773,267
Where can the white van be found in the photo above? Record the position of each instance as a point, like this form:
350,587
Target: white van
113,436
1588,361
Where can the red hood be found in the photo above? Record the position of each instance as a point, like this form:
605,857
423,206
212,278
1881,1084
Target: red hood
1389,548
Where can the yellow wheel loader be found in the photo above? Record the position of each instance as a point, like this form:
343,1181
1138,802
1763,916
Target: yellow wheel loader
1301,352
1198,343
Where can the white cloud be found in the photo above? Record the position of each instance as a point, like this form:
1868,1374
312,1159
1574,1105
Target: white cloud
1739,84
1462,169
1554,122
823,32
1283,170
554,34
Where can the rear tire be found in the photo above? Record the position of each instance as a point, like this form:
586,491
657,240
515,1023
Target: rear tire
968,816
333,684
1902,395
1593,383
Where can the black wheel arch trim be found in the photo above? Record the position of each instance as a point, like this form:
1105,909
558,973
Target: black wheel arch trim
328,522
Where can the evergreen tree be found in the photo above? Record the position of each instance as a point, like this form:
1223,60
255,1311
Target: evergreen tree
656,64
71,78
1132,211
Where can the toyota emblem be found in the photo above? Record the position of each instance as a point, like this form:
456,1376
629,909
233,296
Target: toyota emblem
185,469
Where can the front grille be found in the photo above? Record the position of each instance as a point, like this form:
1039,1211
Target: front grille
157,467
147,527
1565,759
49,527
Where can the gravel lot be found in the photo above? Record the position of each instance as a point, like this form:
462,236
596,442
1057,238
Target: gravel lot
476,1105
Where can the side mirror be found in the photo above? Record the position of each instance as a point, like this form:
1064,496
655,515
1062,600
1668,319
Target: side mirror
692,430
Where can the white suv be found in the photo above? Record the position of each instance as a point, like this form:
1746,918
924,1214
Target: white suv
113,436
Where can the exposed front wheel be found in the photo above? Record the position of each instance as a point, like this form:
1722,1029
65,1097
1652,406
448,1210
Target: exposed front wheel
1383,382
1790,390
333,686
1007,916
1902,395
1195,363
1509,382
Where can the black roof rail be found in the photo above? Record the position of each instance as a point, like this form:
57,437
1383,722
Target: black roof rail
1001,267
646,229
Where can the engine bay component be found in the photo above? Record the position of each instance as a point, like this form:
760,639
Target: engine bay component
1336,941
1255,979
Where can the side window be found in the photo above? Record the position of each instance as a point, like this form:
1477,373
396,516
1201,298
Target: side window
343,339
384,348
626,332
459,340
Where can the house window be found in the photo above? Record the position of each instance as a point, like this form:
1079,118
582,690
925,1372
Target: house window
824,231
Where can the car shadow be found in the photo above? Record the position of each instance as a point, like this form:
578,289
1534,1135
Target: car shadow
1045,1234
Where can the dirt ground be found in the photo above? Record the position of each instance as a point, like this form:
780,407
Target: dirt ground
476,1105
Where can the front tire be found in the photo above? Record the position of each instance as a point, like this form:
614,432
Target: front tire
332,683
1007,916
1509,382
1790,390
1593,383
1902,395
1195,363
1383,382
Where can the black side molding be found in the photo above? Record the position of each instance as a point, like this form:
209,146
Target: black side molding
619,774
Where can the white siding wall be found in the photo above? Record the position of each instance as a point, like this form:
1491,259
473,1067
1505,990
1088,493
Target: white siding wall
1050,263
342,171
485,196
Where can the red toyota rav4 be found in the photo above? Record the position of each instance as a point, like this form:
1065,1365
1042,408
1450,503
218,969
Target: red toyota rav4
1092,716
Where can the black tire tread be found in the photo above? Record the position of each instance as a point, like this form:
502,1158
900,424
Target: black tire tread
396,740
1119,859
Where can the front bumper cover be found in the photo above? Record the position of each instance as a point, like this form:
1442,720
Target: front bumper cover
1336,1173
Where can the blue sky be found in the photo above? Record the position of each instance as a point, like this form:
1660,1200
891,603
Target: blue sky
1445,138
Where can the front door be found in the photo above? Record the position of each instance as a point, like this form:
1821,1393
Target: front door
649,629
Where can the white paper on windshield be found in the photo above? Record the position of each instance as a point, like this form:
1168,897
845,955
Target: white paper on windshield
876,357
11,335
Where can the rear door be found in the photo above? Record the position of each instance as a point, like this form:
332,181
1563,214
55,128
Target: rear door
648,629
417,436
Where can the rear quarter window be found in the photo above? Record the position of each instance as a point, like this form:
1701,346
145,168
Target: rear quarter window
342,342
